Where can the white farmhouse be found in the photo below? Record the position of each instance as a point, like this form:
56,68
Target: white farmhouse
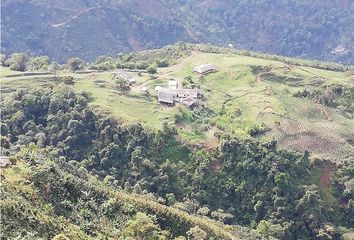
158,88
206,68
172,84
188,97
188,93
167,96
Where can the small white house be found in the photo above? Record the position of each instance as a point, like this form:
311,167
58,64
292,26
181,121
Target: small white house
188,93
144,89
206,68
172,84
166,96
158,88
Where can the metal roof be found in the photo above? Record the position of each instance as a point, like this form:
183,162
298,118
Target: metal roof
166,95
204,68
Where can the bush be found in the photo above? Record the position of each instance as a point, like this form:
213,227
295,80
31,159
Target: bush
60,237
75,64
17,61
13,160
38,63
151,70
69,80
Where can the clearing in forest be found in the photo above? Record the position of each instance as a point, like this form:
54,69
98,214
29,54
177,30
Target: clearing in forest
246,95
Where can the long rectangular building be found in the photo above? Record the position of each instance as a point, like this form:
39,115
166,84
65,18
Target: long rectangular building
166,95
171,96
206,68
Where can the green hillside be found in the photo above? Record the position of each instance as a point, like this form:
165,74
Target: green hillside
269,147
246,96
92,209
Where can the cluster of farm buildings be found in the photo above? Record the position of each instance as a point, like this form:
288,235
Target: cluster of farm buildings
186,96
173,93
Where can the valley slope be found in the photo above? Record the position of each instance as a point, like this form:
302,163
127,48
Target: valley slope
309,29
269,146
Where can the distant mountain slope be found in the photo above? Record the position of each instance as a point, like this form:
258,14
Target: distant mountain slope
83,31
320,29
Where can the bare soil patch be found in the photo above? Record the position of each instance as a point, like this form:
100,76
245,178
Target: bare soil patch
326,172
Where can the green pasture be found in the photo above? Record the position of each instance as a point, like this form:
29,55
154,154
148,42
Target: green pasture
240,100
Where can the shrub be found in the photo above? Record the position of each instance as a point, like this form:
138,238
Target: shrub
69,80
17,61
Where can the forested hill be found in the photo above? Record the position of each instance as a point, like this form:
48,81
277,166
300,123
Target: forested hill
267,151
152,186
319,29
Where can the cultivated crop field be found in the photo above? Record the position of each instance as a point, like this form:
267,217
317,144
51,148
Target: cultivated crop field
245,93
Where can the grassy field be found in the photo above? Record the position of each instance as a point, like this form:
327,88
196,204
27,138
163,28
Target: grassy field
4,71
240,99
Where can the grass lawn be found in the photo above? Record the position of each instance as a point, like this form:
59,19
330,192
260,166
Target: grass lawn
135,107
4,71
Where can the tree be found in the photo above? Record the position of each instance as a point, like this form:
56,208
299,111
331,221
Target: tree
122,84
17,61
69,80
3,59
281,179
162,63
103,63
204,211
222,216
151,70
137,189
263,228
103,59
38,63
143,226
54,67
196,233
171,199
75,64
108,180
60,237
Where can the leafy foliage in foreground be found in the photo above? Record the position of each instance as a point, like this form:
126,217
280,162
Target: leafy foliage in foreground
243,182
46,199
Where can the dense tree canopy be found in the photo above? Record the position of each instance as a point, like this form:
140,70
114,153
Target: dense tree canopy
75,64
17,61
255,184
38,63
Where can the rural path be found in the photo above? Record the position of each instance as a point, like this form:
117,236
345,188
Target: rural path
177,67
137,87
73,17
50,75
